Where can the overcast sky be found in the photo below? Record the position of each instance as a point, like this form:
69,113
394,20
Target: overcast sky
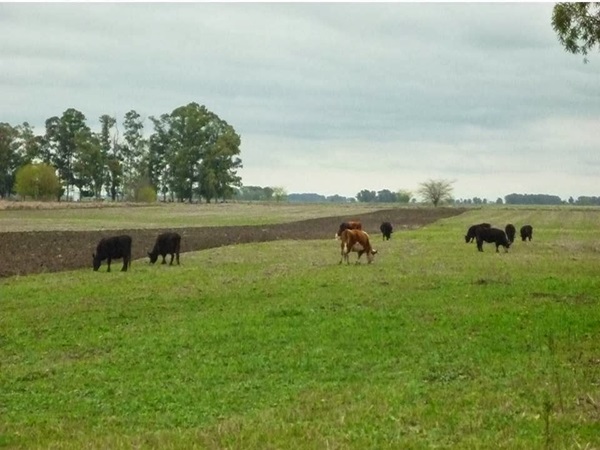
328,98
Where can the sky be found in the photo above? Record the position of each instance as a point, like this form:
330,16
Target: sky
328,98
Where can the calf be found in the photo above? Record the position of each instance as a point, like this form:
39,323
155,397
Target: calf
386,230
510,232
113,248
526,232
472,229
495,235
355,225
356,241
166,243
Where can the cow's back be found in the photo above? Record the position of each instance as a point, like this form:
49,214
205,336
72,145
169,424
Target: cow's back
168,242
495,235
472,231
352,225
115,247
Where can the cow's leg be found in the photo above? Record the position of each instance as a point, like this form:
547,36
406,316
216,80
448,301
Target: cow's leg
125,264
479,245
172,257
108,264
344,258
360,253
164,257
177,255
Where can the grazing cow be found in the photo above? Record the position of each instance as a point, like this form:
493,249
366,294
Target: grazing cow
356,241
510,232
472,229
386,230
526,232
166,244
495,235
356,225
113,248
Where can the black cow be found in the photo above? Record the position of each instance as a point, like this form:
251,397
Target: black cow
113,248
166,243
526,232
472,229
510,232
386,230
495,235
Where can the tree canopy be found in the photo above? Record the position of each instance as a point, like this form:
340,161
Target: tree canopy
577,26
192,153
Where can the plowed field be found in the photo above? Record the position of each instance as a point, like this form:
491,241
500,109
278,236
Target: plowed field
23,253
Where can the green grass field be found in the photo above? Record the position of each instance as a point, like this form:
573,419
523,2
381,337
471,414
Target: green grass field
275,345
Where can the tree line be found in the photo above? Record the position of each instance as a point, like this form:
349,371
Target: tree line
191,153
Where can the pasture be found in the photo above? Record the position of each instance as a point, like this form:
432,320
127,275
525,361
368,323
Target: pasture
275,345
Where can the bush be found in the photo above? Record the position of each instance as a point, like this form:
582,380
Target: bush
145,194
38,181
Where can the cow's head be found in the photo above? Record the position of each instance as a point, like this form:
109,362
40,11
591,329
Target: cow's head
96,261
371,255
153,257
467,238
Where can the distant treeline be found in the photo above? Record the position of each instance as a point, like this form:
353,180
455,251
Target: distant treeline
268,193
258,193
318,198
545,199
532,199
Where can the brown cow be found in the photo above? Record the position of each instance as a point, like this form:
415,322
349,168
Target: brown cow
352,225
356,241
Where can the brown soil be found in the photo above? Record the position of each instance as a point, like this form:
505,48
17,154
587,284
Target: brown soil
23,253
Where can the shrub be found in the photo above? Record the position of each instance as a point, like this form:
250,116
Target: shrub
145,194
38,181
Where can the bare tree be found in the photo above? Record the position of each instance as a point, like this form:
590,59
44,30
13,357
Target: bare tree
436,191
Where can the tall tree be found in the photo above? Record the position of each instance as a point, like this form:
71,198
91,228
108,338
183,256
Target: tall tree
50,140
9,158
386,196
112,155
89,167
132,150
61,138
189,139
155,164
200,155
436,191
29,144
220,164
577,26
366,196
403,196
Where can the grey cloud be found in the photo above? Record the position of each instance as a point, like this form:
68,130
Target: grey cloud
462,83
